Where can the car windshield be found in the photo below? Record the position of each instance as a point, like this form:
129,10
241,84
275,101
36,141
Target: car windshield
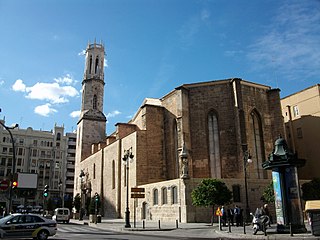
5,219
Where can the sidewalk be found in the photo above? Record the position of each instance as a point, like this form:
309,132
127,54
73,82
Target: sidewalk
196,230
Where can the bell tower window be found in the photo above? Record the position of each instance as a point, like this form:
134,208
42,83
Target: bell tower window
94,104
90,64
96,65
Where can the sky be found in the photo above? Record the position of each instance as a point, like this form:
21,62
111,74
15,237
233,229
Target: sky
152,47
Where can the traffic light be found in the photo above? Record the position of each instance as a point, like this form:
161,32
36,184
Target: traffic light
97,198
14,184
46,191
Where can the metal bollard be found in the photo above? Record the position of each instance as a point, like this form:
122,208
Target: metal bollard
244,226
229,225
159,224
265,229
177,224
143,224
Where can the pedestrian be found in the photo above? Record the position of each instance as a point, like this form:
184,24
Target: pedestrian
223,216
230,215
266,212
237,215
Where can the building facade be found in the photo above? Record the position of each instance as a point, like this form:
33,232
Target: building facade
200,130
48,154
301,113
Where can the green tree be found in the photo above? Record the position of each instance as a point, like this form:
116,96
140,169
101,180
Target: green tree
211,192
77,202
268,194
311,190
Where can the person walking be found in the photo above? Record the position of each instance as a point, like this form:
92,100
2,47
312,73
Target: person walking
237,215
224,216
230,215
266,212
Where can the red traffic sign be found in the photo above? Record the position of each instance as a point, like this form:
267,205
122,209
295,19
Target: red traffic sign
4,185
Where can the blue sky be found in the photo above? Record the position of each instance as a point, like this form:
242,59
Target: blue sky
152,46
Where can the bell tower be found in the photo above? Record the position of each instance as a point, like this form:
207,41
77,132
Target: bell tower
91,127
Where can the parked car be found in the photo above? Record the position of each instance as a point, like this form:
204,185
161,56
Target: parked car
20,225
61,215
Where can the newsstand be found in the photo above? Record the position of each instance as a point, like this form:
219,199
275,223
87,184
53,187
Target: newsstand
313,212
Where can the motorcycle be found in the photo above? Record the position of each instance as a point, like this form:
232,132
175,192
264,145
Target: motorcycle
260,222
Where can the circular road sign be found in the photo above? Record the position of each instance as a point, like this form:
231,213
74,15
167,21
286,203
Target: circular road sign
4,185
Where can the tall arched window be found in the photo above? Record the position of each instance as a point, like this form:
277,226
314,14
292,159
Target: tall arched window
113,175
58,136
214,145
96,65
258,146
94,104
174,195
164,195
90,64
94,171
155,197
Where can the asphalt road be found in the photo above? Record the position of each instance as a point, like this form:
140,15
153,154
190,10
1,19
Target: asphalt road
75,231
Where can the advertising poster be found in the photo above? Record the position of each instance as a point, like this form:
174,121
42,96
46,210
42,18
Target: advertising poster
278,197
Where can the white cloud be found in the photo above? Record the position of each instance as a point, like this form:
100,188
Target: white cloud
1,82
51,92
44,110
83,52
105,63
113,114
291,43
19,86
205,15
75,114
67,79
190,29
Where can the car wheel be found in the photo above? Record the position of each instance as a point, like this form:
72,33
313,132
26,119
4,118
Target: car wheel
42,235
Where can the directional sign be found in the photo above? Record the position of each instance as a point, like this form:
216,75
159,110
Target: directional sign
137,195
4,185
137,189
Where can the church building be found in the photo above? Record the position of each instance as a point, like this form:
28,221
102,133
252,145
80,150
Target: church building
196,131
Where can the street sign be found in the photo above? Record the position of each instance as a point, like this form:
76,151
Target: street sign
4,185
137,195
137,189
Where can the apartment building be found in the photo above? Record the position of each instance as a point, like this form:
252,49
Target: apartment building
301,113
49,154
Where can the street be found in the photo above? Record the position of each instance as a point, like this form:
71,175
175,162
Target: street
76,231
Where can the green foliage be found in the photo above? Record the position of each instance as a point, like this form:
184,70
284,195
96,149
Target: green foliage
311,190
211,192
77,202
268,194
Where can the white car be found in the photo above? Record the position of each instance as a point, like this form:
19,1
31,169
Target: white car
20,225
61,215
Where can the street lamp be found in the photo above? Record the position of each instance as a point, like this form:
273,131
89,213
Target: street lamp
13,160
60,185
126,157
246,161
81,176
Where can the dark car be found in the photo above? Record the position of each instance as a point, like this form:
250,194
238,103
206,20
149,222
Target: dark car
20,225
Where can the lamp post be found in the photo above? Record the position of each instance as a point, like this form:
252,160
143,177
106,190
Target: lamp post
81,176
126,157
13,160
246,161
60,185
